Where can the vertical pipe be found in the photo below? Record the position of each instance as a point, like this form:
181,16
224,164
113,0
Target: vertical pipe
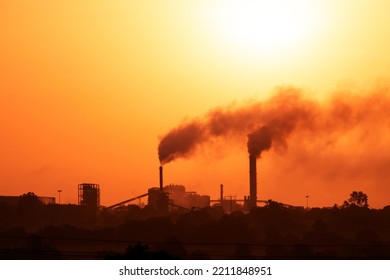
161,178
252,181
221,194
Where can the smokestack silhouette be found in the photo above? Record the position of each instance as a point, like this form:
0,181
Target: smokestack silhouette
252,181
258,141
161,178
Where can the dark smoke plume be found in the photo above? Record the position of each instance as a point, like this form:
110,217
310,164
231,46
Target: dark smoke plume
270,123
260,140
180,141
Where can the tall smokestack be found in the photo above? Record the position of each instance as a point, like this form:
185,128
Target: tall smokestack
161,178
252,181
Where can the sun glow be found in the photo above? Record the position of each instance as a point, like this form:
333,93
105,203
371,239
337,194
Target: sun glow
266,25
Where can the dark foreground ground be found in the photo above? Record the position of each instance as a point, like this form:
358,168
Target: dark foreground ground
272,232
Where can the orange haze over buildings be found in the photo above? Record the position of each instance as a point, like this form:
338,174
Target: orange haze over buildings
90,91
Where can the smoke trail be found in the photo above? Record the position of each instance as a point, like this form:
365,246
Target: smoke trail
181,141
276,117
270,123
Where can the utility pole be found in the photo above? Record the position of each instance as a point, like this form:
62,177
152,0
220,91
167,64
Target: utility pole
307,202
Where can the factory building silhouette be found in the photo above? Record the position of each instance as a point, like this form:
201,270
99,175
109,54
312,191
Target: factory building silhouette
163,199
173,197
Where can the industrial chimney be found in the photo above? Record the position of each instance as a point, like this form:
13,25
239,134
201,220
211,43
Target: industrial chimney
252,181
161,178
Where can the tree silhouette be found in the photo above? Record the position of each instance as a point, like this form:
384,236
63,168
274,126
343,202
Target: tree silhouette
357,199
29,201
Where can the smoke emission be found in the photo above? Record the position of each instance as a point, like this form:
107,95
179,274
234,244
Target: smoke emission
260,140
181,141
330,146
270,123
265,123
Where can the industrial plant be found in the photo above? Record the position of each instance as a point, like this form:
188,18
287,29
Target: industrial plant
189,226
175,197
163,199
172,197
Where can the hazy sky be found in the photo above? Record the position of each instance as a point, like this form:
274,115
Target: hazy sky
87,88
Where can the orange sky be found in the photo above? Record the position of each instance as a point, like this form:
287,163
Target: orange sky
88,87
